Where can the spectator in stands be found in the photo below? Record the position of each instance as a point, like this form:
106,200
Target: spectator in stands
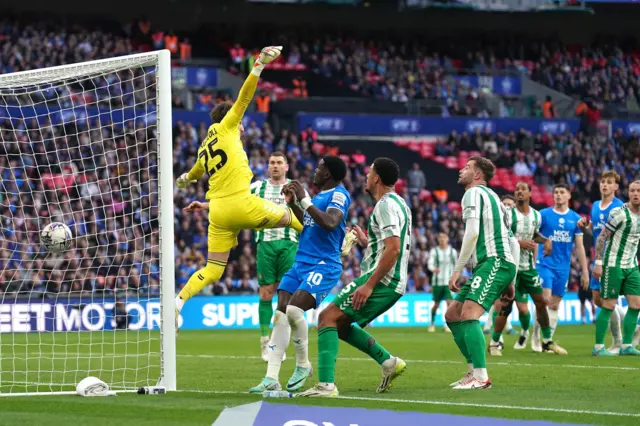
520,168
548,110
416,180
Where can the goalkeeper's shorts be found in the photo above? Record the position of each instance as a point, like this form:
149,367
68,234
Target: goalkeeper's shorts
229,216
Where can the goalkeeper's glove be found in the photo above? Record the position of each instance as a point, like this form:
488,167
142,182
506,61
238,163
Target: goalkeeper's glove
267,55
183,181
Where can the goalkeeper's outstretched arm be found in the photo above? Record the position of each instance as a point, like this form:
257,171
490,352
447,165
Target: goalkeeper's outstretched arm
194,174
232,120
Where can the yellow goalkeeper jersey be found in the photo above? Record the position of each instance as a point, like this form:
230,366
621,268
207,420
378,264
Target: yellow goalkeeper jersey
222,156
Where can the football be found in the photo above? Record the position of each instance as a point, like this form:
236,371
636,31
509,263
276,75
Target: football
56,237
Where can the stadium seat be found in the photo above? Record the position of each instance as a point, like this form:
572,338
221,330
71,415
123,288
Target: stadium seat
451,162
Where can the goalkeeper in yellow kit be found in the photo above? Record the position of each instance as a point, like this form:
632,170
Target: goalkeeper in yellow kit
232,207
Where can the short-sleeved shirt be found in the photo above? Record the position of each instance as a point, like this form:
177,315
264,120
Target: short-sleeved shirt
483,204
316,244
561,228
391,217
621,250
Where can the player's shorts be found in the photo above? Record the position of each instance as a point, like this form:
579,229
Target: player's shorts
274,259
527,282
584,295
317,280
381,300
488,281
441,292
229,216
555,279
618,282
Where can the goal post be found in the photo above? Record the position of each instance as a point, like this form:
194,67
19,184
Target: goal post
88,145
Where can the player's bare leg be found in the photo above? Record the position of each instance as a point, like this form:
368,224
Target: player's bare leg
446,327
212,272
543,321
434,309
495,344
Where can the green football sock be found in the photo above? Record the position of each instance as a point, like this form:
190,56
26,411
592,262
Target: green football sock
629,325
546,333
458,337
474,338
495,335
494,315
364,342
525,321
433,317
327,354
265,312
602,325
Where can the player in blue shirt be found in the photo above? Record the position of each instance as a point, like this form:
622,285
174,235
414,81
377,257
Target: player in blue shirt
316,270
560,225
609,182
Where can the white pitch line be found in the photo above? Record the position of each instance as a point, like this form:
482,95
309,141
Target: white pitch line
449,403
435,361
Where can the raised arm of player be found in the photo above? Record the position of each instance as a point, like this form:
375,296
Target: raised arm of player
232,120
327,220
582,258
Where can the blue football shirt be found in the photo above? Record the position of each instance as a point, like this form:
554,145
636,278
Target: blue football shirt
315,243
599,216
561,228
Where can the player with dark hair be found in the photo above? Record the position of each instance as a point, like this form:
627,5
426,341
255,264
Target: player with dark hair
559,224
316,270
233,208
525,224
381,285
276,248
509,202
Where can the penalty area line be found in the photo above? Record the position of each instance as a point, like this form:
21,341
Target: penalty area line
444,403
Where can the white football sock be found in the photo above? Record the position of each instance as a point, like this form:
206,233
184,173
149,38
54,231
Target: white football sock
278,344
480,374
489,324
614,325
299,335
553,320
508,327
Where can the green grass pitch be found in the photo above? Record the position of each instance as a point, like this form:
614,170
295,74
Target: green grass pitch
216,369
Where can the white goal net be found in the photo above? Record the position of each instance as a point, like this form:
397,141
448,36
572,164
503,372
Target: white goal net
88,145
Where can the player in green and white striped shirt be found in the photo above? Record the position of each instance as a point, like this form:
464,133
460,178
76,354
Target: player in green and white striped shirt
617,268
525,224
276,247
487,237
441,261
381,285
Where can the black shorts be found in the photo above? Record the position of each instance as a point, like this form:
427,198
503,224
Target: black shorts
585,295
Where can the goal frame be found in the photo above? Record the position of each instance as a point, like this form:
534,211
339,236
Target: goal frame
161,59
